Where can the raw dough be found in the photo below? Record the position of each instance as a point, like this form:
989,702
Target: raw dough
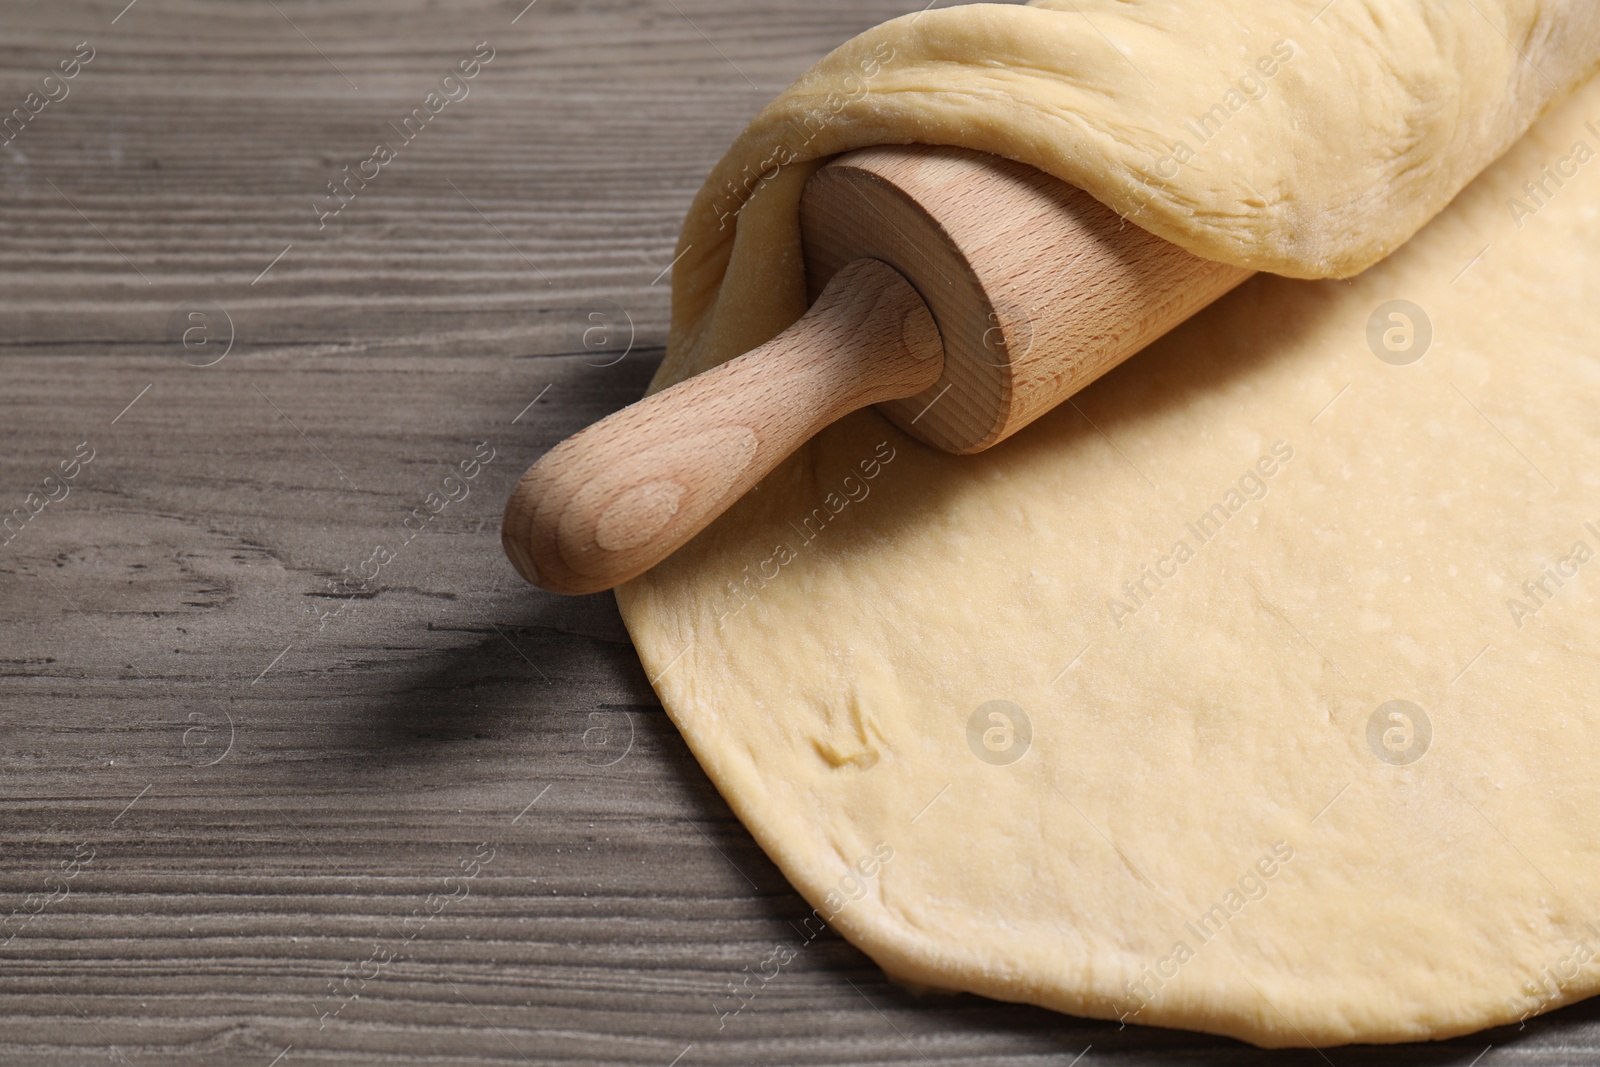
1202,805
1383,112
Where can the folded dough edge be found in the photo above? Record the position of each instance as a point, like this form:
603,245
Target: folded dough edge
1303,137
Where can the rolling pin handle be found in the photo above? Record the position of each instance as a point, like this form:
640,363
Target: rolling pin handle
615,499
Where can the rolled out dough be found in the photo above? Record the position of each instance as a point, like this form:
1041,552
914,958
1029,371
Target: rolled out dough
1254,691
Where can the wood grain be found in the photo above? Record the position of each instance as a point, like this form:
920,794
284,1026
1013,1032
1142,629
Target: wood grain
386,730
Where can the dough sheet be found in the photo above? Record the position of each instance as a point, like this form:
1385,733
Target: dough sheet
1254,690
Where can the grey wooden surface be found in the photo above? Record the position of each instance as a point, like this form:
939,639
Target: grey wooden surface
271,795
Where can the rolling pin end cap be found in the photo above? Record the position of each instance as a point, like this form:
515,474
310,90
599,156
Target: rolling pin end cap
519,557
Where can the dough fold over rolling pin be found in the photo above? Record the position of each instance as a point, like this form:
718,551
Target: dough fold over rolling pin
963,294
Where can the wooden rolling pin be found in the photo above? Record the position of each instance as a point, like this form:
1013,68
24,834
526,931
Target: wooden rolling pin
963,294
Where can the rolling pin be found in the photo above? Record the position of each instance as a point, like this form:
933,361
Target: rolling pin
963,294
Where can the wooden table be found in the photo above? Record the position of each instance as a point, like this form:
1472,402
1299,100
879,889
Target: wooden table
295,770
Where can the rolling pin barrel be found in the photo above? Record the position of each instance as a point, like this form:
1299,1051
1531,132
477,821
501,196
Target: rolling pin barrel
1036,286
963,294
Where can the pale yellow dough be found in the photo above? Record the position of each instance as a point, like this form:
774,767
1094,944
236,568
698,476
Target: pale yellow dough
1215,726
